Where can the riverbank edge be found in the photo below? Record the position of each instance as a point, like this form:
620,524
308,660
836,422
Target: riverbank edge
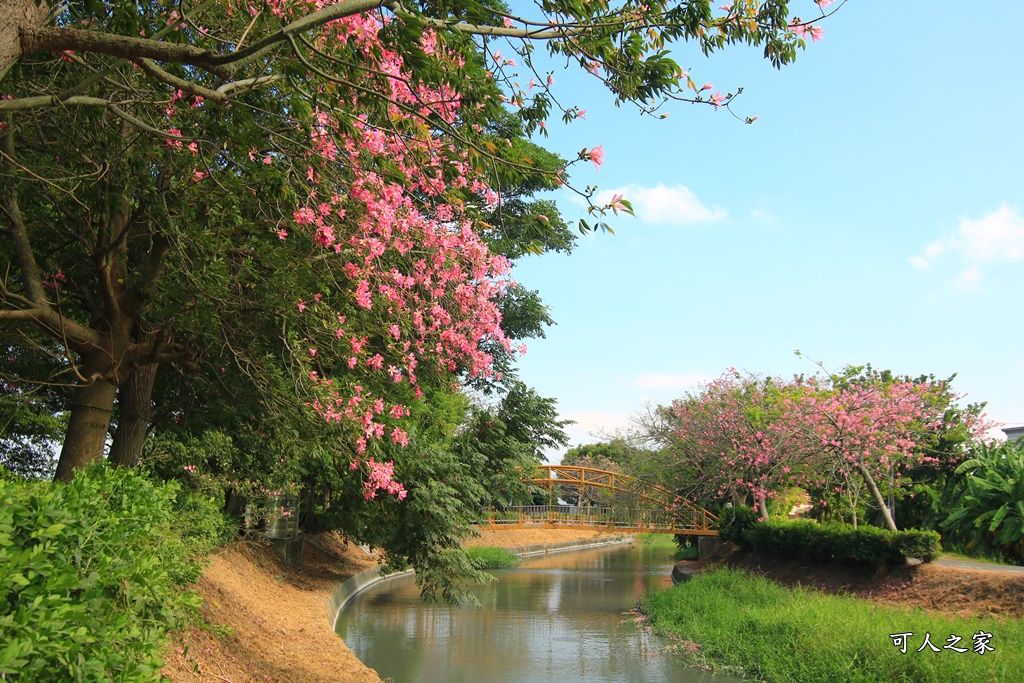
366,578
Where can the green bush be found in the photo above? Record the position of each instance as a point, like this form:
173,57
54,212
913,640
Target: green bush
821,543
733,521
924,545
984,500
488,557
91,576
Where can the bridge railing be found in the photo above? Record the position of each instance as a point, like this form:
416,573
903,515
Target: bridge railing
690,520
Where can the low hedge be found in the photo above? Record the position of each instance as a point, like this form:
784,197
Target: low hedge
821,543
92,576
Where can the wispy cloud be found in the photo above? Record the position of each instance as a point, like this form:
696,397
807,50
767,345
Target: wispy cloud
675,205
997,236
662,380
592,425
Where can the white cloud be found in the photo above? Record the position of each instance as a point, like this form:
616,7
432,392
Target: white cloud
676,205
997,236
969,280
662,380
764,216
589,428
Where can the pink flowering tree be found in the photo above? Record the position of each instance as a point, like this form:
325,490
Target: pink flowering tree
870,431
731,435
360,126
856,435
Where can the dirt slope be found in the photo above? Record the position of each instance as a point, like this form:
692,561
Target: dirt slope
278,616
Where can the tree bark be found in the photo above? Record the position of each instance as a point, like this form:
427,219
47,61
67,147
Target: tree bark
16,15
877,495
91,407
762,509
135,411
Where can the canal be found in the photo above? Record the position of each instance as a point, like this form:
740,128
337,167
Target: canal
554,618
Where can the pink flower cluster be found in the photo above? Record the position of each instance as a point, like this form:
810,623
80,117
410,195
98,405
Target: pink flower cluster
381,478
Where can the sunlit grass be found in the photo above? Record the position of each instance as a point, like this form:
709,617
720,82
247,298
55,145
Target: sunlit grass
787,635
488,557
654,539
957,552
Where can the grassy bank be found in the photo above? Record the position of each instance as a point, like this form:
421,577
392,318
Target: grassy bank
489,557
783,635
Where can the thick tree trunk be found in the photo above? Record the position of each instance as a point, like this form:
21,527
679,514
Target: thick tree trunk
91,407
877,495
17,14
762,508
134,402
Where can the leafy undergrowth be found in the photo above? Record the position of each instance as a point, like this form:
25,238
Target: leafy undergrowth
733,620
488,557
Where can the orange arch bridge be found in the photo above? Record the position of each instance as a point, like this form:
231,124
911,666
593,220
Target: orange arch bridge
604,501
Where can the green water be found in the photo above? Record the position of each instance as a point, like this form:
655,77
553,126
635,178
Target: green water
555,618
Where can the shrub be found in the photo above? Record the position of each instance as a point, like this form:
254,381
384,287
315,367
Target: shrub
734,521
487,557
985,500
92,579
821,543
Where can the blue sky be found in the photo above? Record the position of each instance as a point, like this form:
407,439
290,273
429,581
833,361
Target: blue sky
873,213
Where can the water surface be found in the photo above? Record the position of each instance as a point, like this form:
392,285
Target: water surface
555,618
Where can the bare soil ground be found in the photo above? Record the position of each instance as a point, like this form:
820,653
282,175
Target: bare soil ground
945,590
277,616
512,538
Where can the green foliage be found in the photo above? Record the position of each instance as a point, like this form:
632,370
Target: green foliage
488,557
822,543
93,575
734,521
31,424
985,500
736,622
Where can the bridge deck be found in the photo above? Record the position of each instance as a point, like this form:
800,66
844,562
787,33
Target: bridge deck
687,522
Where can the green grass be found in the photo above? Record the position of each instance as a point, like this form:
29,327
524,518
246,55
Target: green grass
989,556
687,553
488,557
654,539
745,623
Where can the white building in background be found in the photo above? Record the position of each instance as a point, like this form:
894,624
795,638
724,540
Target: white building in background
1013,433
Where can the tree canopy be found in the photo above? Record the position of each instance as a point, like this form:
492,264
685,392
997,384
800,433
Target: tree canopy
299,218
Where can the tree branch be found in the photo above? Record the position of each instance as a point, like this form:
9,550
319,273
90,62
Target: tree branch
182,84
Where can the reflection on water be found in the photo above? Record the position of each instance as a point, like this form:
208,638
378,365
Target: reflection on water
555,618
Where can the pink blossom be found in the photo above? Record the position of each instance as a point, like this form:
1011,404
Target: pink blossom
596,155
